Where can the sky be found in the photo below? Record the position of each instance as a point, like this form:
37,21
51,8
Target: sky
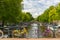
37,7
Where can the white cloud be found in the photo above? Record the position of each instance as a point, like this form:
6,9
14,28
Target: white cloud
36,7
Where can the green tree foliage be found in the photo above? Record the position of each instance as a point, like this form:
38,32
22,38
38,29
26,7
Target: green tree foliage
50,14
10,10
53,15
58,10
44,17
26,17
30,16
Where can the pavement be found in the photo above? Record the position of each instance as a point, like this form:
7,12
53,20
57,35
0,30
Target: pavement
30,39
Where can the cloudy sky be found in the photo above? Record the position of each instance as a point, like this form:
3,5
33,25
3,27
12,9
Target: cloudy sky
37,7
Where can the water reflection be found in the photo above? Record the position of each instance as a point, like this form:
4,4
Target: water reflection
33,32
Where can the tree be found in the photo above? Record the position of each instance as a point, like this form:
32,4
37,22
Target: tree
26,17
53,15
10,10
58,10
30,16
49,15
43,17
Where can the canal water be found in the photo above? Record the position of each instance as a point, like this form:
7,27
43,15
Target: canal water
34,32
